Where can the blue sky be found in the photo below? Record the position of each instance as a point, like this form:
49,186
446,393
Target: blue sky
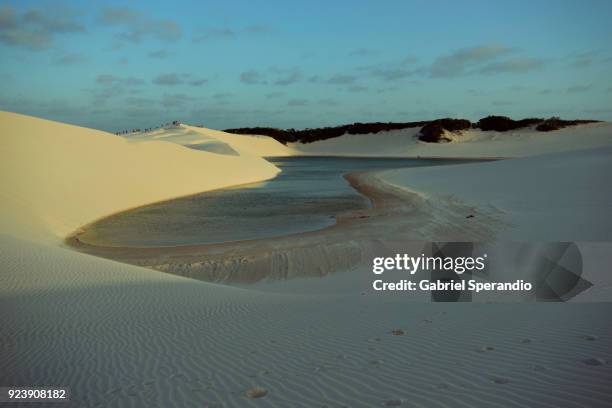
118,65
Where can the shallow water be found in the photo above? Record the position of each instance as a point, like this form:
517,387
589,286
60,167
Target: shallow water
306,196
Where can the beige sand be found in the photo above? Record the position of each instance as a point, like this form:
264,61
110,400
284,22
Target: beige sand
403,143
57,177
121,335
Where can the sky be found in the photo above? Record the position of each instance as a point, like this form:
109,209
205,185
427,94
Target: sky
296,64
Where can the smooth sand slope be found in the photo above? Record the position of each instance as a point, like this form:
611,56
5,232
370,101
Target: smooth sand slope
124,336
216,141
472,143
553,197
57,177
397,143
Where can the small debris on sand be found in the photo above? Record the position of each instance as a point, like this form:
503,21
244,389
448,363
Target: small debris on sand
598,361
256,392
589,337
397,332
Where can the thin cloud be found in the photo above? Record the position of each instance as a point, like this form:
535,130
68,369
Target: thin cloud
141,112
214,33
357,88
252,77
168,80
579,88
275,95
328,102
341,79
297,102
514,65
258,29
583,59
136,26
410,60
176,100
139,101
392,74
280,77
70,59
458,62
106,79
385,90
110,86
119,16
160,54
173,79
288,78
197,82
362,52
36,29
228,33
517,88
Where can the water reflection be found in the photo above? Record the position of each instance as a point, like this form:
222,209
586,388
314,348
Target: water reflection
306,196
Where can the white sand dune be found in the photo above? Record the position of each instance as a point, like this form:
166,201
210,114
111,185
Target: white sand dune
472,143
56,177
401,143
124,336
554,197
201,137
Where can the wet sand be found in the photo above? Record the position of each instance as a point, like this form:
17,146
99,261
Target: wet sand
396,218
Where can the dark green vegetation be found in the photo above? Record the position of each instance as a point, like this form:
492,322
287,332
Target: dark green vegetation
312,135
504,124
432,131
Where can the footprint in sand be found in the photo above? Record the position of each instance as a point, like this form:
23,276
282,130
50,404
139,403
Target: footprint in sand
499,380
538,367
484,349
594,361
526,341
256,392
324,367
589,337
393,403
